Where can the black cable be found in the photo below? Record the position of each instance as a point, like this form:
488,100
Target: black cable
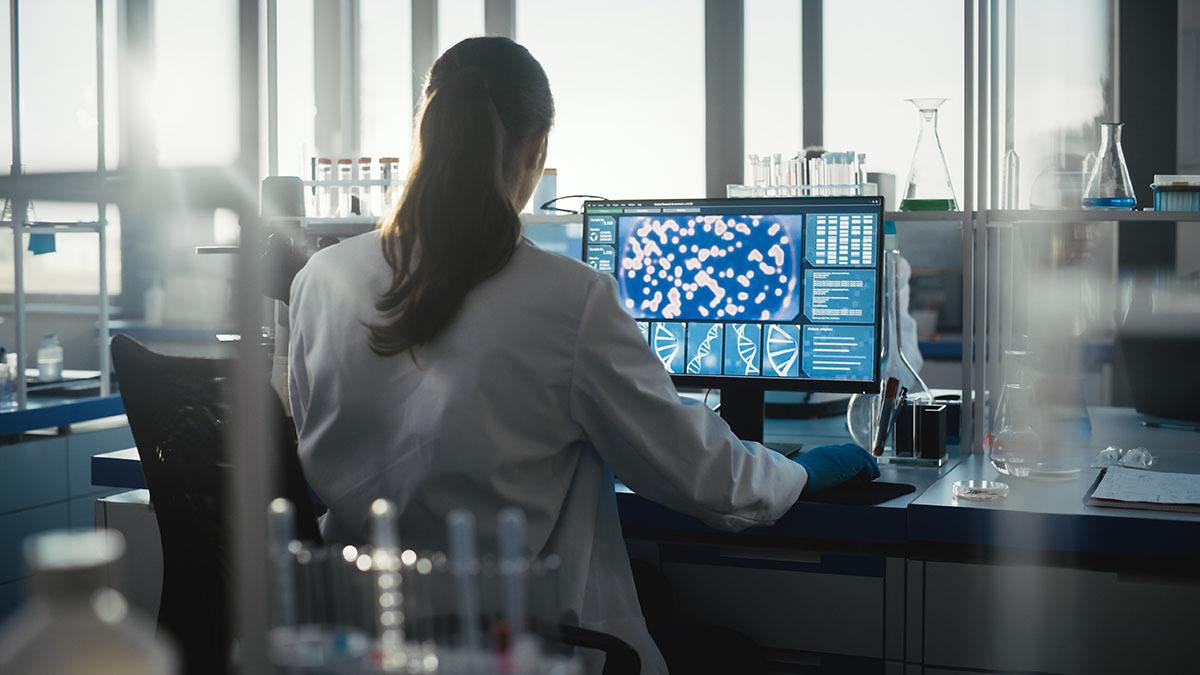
547,206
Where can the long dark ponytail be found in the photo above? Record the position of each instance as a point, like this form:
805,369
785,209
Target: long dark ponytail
455,226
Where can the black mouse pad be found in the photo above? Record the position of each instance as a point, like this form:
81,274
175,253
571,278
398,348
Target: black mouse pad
859,494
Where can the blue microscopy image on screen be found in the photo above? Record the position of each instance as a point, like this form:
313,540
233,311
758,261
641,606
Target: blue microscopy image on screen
839,296
743,349
782,347
667,340
710,268
839,352
704,348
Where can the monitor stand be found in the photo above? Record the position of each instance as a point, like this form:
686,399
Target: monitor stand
742,410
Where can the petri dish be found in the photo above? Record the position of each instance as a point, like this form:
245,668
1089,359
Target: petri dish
980,490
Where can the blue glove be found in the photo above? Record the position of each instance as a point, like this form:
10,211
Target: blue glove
830,465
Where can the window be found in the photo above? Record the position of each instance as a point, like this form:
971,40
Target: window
878,53
628,82
385,61
296,86
457,21
195,93
74,267
1062,90
773,104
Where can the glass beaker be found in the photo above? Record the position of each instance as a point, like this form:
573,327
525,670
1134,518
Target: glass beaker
1108,185
863,408
929,187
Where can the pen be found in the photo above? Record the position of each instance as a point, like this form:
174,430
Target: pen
885,414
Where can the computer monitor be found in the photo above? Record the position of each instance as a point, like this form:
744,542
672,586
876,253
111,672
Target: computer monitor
749,295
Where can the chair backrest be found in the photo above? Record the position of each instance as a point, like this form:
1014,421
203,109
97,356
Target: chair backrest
178,409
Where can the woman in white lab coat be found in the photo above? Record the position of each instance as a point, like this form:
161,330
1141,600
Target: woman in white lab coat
445,362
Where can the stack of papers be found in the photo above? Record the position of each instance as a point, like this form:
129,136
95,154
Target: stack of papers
1154,490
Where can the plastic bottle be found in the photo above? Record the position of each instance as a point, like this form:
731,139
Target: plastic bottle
74,623
8,380
50,359
154,306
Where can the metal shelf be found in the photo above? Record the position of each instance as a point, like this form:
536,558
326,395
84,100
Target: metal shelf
48,227
1087,216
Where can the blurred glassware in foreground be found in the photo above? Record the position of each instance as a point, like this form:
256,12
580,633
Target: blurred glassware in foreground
1108,184
74,623
383,608
929,187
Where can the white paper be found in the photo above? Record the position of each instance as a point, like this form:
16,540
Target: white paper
1154,487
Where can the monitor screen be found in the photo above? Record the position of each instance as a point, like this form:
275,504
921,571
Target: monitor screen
781,290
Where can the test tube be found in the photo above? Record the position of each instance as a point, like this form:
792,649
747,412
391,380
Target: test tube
513,567
359,205
464,567
324,190
281,531
345,174
385,562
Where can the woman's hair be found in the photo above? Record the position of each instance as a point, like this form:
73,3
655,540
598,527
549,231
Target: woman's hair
455,225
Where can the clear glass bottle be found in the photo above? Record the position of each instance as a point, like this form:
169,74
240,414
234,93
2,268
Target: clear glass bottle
50,359
929,187
1108,184
863,408
74,622
324,191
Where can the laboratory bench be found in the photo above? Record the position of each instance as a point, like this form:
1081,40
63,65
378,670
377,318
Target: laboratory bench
46,474
1037,582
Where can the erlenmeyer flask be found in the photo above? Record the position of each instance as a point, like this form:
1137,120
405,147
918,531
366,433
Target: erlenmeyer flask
1108,185
1013,443
929,187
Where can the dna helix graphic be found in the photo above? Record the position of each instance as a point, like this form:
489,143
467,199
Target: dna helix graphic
697,363
666,345
747,349
782,350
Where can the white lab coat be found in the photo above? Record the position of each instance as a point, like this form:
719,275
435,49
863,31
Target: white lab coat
532,396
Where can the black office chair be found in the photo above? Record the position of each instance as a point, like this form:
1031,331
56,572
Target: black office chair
178,408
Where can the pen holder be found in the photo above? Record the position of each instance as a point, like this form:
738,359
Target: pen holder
920,434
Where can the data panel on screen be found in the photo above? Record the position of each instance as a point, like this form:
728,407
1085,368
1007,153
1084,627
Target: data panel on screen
771,289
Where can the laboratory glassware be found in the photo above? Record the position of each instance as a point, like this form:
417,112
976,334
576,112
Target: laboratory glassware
929,187
74,622
50,359
1013,442
341,190
863,409
1012,180
359,205
323,189
1108,184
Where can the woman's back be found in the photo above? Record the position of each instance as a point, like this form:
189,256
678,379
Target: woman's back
477,419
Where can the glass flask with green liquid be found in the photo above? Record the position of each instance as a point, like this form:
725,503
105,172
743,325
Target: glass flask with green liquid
929,187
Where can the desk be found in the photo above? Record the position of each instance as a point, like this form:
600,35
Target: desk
1065,586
